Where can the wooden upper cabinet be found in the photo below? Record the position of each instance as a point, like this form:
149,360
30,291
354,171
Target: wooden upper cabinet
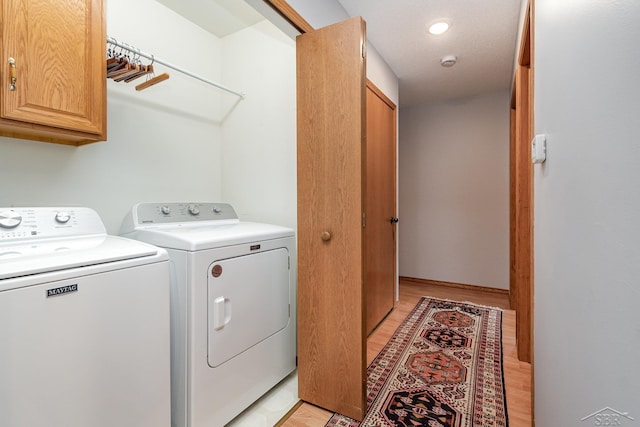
58,51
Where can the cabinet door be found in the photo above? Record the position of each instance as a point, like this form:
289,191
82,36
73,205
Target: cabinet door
331,120
58,47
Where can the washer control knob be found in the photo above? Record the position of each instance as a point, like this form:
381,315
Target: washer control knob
216,210
10,219
193,209
165,210
63,217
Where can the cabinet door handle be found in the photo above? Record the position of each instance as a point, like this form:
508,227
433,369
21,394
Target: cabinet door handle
12,74
325,236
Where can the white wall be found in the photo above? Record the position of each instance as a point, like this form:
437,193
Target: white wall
259,135
587,210
163,143
454,191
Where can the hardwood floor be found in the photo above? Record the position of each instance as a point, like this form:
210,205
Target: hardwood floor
517,374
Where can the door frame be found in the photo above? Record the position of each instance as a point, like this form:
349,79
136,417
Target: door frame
521,264
285,10
521,193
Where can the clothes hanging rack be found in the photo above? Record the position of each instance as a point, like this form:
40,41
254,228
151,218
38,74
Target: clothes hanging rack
154,58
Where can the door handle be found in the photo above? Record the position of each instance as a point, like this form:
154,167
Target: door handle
393,220
221,312
12,74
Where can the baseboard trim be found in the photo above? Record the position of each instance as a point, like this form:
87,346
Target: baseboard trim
455,285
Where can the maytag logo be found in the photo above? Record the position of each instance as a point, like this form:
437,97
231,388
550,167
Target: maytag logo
62,290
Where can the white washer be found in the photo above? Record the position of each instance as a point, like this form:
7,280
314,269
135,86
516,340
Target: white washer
232,306
84,323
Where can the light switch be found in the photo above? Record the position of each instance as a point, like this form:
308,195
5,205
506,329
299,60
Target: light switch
539,149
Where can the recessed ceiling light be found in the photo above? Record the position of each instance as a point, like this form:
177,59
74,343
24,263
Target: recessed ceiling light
438,28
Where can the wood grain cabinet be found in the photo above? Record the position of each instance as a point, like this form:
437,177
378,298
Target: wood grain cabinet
53,82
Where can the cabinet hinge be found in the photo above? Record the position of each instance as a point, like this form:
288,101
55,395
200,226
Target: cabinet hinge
363,220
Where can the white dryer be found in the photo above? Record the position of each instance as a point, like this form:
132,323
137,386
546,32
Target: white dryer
84,323
232,306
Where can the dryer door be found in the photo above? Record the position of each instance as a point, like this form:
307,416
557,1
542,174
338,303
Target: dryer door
248,301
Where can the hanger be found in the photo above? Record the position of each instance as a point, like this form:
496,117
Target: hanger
119,63
145,69
152,81
125,65
133,67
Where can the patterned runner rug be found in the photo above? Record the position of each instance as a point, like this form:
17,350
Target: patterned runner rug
441,368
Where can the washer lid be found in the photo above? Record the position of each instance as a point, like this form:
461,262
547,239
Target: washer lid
42,256
209,236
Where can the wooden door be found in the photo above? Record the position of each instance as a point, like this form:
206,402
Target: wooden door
380,215
58,48
521,286
331,265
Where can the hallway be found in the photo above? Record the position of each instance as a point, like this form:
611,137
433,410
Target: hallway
517,374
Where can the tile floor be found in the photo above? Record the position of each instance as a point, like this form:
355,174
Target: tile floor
271,407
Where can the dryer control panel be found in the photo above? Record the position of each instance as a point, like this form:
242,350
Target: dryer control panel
162,213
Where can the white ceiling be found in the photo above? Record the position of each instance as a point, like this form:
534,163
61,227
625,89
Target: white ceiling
482,35
219,17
